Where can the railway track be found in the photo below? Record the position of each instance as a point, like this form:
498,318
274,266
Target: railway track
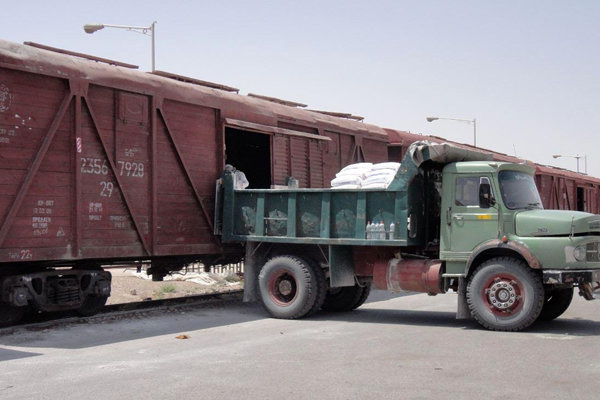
35,322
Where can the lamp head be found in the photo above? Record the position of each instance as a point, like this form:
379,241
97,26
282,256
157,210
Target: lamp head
556,155
91,28
431,119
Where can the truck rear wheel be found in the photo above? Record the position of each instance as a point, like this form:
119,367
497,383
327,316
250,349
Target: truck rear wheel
290,287
556,302
346,298
504,294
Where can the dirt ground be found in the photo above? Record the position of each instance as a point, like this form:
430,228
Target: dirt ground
130,286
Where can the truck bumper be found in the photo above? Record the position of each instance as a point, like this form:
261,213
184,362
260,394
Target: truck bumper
587,280
553,277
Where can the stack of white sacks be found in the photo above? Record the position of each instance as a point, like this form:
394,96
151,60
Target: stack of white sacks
365,176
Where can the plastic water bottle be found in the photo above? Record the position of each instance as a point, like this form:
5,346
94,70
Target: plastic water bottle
380,231
369,230
392,231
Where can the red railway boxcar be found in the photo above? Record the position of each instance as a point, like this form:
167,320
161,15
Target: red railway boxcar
101,163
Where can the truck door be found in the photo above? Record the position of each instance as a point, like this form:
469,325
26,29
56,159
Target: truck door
467,223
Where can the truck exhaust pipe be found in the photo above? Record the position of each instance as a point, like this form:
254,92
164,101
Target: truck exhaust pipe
411,275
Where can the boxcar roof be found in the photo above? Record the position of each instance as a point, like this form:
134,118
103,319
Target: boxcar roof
52,63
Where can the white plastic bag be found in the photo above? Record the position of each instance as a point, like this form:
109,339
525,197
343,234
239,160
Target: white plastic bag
240,181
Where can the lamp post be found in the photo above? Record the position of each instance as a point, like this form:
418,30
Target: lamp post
470,121
577,157
91,28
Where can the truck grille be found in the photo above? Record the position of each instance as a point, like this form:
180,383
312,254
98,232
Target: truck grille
63,290
592,252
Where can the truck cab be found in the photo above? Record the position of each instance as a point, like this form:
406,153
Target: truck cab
492,213
488,206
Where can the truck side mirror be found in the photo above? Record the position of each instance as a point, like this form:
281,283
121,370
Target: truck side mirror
486,200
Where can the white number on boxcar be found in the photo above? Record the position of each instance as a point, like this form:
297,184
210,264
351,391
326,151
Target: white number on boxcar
95,166
106,189
131,168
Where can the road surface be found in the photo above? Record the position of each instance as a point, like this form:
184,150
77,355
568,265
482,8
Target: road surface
394,348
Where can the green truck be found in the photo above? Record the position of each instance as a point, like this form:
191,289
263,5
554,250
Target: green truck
451,220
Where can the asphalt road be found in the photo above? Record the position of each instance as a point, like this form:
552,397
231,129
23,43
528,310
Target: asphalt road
396,348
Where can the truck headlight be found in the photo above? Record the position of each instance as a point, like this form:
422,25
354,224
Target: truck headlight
580,253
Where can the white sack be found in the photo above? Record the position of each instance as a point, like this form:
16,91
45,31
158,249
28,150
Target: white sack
386,165
346,180
346,187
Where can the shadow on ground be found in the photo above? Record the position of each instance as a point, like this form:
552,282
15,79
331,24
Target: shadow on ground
103,331
573,327
8,354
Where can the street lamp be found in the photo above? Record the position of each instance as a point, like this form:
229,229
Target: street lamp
577,157
91,28
470,121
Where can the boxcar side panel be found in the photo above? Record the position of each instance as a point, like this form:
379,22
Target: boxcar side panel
281,160
374,151
315,159
108,200
347,150
331,157
187,168
299,160
35,189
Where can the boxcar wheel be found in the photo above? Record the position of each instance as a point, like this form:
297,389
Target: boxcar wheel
346,298
10,314
92,305
556,302
504,294
290,287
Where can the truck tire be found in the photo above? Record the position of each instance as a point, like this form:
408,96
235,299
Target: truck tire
290,287
346,298
10,314
321,285
556,302
504,294
92,305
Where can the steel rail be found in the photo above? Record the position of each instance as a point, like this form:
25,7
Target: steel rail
59,319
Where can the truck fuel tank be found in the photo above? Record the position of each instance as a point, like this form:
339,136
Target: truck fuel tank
410,275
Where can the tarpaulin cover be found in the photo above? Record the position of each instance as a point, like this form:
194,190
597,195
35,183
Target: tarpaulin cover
443,153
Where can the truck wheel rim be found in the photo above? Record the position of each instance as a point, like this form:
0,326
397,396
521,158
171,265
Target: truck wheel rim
503,295
283,288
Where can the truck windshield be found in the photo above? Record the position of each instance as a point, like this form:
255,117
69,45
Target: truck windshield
518,190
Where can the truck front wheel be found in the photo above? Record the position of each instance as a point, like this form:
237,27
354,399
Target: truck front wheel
290,287
504,294
556,302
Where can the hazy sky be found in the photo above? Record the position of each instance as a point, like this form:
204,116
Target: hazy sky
529,71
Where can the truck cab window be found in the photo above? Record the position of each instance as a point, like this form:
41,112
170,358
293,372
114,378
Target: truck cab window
467,191
518,190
